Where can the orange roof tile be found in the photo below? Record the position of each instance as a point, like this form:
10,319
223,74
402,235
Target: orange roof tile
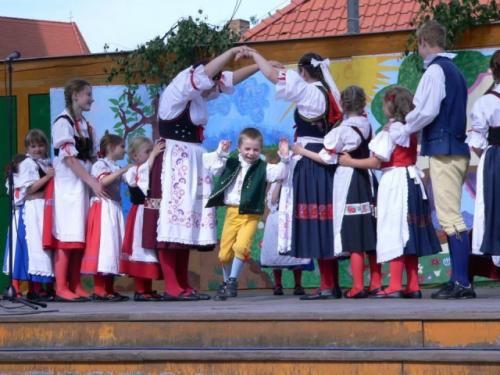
320,18
38,38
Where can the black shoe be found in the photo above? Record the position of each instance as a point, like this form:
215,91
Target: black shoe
147,297
298,291
278,290
199,296
417,294
232,287
168,298
361,294
221,294
374,291
444,291
321,294
457,292
383,294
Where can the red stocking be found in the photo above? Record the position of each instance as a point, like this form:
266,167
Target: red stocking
168,262
297,276
75,281
411,263
100,285
62,261
375,272
141,285
357,270
277,277
326,267
396,271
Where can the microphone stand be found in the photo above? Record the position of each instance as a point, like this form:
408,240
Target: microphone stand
10,293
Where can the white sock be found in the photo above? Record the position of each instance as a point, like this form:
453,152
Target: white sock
226,271
237,267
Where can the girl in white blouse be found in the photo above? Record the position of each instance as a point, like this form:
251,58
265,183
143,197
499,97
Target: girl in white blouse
484,139
75,148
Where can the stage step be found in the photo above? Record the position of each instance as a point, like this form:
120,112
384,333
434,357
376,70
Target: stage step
113,333
254,361
256,334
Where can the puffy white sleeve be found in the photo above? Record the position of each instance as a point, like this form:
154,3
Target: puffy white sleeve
28,174
100,170
215,162
138,176
184,87
279,171
310,100
382,146
478,134
226,85
63,138
338,140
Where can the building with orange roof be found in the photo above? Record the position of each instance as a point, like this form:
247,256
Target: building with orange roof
325,18
39,38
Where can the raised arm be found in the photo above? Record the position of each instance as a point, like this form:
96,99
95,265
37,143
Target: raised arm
266,67
243,73
216,65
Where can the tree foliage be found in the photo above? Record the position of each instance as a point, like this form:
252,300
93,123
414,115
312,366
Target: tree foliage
457,16
157,62
160,59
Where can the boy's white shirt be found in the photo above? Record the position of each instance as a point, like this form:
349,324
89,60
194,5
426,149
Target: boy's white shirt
215,162
431,91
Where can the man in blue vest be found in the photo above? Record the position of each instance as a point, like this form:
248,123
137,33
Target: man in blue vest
440,111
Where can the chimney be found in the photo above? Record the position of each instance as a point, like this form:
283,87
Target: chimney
353,16
239,26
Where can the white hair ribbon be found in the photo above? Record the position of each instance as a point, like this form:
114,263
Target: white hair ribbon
324,65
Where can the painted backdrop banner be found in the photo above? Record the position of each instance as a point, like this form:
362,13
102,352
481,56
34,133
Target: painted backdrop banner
131,111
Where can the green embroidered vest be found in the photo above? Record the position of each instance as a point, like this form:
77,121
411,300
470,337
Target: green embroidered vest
253,191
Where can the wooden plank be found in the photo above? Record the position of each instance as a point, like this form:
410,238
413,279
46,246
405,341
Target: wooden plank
450,369
461,334
193,334
219,368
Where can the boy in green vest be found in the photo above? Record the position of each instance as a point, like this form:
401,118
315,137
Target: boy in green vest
242,188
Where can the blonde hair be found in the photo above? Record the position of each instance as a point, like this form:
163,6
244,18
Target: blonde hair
37,136
251,133
399,102
135,144
433,33
353,100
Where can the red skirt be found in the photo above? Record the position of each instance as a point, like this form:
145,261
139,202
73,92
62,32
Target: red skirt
134,268
91,256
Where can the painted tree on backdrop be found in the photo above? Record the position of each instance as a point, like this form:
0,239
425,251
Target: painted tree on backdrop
156,63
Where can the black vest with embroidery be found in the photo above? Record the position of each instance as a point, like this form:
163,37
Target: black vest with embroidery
253,191
181,128
317,127
83,145
136,195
